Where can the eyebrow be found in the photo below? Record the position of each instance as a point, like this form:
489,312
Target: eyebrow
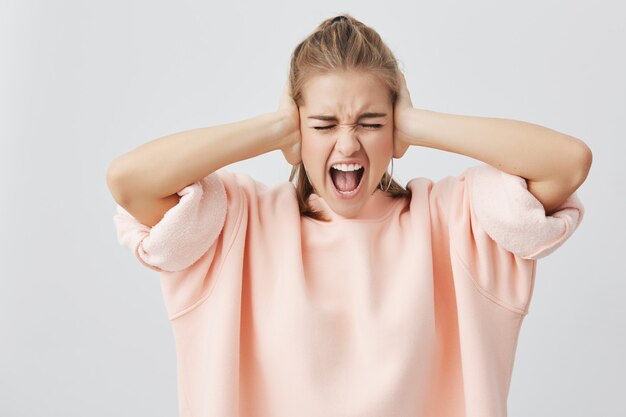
367,115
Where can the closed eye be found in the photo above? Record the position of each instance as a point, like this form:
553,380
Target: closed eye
369,126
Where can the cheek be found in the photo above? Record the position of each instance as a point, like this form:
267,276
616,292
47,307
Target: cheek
383,146
379,146
315,153
379,150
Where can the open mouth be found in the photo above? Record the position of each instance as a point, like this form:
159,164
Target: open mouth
346,183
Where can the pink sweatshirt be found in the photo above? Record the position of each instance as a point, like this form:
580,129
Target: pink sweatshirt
412,309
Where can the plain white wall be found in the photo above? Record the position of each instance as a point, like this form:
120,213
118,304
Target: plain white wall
83,326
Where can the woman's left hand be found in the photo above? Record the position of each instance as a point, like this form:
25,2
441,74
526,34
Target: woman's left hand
402,111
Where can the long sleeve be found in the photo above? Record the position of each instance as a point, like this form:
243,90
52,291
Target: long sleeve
191,244
186,232
498,230
506,211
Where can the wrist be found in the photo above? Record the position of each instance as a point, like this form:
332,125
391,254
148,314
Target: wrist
417,123
274,128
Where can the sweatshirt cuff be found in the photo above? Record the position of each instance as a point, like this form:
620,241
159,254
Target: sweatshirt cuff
185,232
514,218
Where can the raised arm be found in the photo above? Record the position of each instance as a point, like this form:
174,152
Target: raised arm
146,180
553,164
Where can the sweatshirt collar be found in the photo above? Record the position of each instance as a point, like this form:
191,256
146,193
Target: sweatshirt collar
375,208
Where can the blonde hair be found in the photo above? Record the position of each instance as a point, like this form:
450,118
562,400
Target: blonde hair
341,43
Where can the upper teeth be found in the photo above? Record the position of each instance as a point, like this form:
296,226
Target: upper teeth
347,167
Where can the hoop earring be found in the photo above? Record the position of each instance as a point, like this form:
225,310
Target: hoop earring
390,178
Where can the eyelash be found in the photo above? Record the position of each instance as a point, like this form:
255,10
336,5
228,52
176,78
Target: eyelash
375,126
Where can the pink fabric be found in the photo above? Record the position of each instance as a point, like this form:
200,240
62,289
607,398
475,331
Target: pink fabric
185,232
412,309
517,220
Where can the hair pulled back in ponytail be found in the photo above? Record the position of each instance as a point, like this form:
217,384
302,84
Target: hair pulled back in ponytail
341,43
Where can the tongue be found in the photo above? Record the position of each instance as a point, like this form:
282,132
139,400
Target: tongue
344,180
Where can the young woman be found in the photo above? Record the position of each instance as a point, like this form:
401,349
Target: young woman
347,294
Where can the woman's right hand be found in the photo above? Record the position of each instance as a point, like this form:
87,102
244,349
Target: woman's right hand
291,146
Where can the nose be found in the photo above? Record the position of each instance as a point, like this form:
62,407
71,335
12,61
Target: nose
347,141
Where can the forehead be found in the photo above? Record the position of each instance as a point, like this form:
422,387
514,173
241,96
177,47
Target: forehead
345,93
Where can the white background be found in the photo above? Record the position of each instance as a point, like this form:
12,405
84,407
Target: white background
83,327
